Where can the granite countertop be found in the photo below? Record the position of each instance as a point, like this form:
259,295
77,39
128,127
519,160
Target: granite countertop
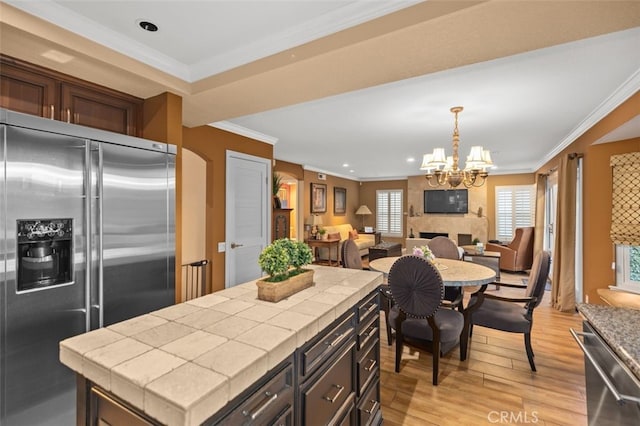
619,329
183,363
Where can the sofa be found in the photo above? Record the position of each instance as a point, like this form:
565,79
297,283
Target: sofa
516,256
363,241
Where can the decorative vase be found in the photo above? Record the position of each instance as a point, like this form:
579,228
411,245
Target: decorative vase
275,292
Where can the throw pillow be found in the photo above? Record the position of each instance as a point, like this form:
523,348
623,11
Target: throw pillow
334,236
353,234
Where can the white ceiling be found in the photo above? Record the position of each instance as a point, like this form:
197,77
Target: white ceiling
523,107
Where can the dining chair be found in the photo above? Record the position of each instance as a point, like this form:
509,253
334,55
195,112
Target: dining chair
508,313
351,259
417,290
446,248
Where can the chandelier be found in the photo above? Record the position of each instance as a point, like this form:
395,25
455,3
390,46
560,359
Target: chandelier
443,170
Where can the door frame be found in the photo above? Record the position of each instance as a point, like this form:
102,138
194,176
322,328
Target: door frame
266,208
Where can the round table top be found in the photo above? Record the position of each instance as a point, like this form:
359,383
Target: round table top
454,272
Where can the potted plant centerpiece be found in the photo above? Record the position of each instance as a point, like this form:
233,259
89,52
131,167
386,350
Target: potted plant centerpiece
283,260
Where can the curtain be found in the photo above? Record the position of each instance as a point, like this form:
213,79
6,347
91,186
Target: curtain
563,281
625,212
541,192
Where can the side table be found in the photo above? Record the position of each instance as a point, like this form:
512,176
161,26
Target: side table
384,250
316,244
490,259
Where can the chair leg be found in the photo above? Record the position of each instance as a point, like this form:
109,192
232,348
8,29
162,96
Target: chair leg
436,360
399,344
527,345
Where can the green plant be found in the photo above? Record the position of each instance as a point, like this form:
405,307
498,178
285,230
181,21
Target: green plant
277,183
475,241
274,260
322,231
278,257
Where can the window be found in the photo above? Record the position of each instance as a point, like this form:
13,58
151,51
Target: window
515,208
389,212
628,267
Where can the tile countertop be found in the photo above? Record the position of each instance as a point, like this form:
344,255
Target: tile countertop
619,329
183,363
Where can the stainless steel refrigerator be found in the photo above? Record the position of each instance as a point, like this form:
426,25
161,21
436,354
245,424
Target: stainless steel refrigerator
86,240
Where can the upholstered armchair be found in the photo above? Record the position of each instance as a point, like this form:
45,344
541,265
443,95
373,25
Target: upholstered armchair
518,254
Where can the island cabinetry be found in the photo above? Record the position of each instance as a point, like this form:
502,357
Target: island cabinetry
105,409
270,401
331,377
34,90
368,361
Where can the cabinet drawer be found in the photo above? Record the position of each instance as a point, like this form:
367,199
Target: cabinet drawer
327,344
369,332
369,406
368,308
368,368
268,405
327,395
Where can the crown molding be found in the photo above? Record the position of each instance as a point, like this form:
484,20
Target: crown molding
243,131
91,30
327,172
621,94
337,20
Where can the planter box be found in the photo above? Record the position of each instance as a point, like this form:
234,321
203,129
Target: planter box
275,292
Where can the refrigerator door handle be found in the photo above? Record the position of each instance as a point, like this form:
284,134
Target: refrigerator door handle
87,231
100,236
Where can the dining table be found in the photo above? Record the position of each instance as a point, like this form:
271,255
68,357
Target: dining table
454,273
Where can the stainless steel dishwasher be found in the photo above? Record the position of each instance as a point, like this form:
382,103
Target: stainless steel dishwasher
613,391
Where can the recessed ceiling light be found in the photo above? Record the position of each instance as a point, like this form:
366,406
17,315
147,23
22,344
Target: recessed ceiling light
351,171
147,26
345,165
410,160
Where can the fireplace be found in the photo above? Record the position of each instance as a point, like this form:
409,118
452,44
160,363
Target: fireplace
430,235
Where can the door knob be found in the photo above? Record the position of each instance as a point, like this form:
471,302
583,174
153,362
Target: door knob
234,245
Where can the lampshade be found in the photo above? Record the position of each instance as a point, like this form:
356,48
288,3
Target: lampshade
316,220
363,210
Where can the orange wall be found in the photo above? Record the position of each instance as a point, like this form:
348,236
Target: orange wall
329,218
212,144
368,198
162,121
597,246
502,180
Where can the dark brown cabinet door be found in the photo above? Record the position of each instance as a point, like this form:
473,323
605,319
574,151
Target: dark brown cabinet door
99,109
106,411
27,92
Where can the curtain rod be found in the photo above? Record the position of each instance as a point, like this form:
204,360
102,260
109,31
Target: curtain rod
571,156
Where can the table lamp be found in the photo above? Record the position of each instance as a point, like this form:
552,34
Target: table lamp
315,221
363,211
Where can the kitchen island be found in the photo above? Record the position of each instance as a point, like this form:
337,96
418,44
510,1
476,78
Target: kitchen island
210,359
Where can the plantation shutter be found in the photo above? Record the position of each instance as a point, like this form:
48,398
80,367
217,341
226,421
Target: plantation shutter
515,208
625,210
389,212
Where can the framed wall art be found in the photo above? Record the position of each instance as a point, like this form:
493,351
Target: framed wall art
318,198
339,200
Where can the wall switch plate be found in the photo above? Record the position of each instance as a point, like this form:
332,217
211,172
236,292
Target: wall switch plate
222,247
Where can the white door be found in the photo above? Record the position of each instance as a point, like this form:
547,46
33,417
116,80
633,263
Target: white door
248,215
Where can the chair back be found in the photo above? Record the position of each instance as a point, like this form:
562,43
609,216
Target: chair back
416,286
522,243
350,255
444,247
538,277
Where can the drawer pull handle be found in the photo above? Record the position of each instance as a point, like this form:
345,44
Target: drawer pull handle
333,399
374,407
373,307
68,115
270,397
371,331
372,364
337,340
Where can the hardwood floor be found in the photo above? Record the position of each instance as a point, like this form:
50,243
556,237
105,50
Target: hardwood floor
495,385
